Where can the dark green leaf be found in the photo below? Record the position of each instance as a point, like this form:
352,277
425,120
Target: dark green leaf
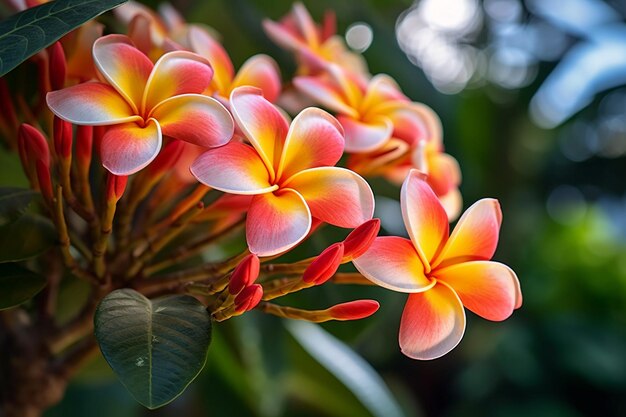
18,285
155,347
26,33
28,236
13,203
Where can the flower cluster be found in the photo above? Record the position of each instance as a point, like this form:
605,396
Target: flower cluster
193,150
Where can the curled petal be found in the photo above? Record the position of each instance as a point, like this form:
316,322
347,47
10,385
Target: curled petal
433,323
475,236
315,139
408,123
335,195
127,148
444,173
262,72
382,88
261,122
365,136
277,222
233,168
176,73
392,263
91,104
196,119
489,289
204,44
123,66
424,217
324,91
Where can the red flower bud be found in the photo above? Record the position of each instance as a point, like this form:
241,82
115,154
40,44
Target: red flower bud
57,66
7,114
325,265
62,135
248,298
32,146
84,144
43,177
360,239
244,274
115,186
353,310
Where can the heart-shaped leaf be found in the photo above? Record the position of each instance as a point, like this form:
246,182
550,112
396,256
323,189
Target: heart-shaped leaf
13,203
26,33
156,347
26,237
18,284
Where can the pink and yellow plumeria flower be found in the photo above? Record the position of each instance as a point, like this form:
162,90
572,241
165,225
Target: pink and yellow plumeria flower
370,113
259,71
142,102
289,169
442,273
315,46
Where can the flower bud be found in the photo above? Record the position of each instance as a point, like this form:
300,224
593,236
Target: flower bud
248,298
115,186
57,66
360,239
62,136
325,265
33,147
353,310
7,115
244,274
84,144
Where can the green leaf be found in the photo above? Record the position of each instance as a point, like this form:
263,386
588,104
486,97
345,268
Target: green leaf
13,203
350,368
155,347
18,285
27,237
26,33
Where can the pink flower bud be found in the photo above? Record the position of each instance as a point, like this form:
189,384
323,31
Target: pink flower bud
32,146
57,66
360,239
62,135
248,298
354,310
325,265
115,186
244,274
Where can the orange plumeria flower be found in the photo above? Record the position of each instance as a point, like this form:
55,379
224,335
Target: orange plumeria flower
142,102
289,169
442,273
315,46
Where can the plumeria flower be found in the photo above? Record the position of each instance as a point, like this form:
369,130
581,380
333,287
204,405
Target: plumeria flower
315,46
142,102
442,273
259,71
289,169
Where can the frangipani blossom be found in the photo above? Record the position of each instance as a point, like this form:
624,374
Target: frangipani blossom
442,273
142,102
259,71
289,169
315,46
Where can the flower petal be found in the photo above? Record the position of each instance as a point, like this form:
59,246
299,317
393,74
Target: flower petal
433,323
204,44
282,36
392,263
262,72
233,168
424,217
277,222
90,103
261,122
365,136
315,139
176,73
408,123
305,24
127,148
335,195
444,173
475,237
195,118
382,88
489,289
123,66
326,92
